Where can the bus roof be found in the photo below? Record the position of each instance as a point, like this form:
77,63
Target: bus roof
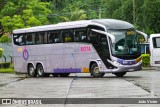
114,24
105,23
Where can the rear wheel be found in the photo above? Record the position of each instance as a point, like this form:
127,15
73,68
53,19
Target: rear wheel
40,70
95,71
64,74
120,74
31,71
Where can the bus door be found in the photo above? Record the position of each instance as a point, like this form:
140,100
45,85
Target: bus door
100,42
155,50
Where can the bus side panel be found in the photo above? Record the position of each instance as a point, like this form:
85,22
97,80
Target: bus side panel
80,60
56,58
93,56
19,59
69,58
155,49
20,65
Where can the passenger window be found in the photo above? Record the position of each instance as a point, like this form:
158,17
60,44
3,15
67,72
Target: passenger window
156,42
29,39
80,35
67,36
41,38
37,38
54,37
19,39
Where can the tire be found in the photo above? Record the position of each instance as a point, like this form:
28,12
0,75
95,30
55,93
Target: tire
31,71
40,71
95,71
120,74
64,74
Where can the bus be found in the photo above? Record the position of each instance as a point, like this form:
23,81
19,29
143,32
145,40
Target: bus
96,46
154,50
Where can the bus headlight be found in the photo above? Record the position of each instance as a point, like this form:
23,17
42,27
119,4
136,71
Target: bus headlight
117,63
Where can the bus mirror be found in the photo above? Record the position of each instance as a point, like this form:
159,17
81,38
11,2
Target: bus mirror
111,36
105,33
144,35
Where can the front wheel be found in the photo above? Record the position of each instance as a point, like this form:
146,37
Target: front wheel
120,74
95,71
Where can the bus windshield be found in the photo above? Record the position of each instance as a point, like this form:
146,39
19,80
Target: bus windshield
126,42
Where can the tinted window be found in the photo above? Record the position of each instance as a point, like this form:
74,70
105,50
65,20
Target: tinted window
29,39
156,42
41,38
67,36
80,35
19,39
54,37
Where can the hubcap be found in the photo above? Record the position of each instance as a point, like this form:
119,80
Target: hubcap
96,70
40,71
31,70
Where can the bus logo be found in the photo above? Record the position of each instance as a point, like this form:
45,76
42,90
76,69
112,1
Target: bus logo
25,54
85,49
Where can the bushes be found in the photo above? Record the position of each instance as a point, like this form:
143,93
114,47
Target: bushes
4,65
1,52
145,60
5,39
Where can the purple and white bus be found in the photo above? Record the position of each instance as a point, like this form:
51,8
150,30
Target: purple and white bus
96,46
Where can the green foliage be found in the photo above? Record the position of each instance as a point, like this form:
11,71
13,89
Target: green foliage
7,70
76,15
5,39
145,60
21,14
5,65
15,14
1,52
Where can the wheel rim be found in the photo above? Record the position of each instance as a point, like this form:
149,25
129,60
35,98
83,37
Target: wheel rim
96,70
31,71
40,71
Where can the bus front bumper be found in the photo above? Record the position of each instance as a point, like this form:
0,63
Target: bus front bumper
124,68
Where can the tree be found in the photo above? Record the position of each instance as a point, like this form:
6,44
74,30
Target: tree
1,30
20,13
1,52
151,13
6,22
76,15
5,39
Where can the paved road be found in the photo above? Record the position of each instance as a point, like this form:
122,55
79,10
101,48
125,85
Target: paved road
143,84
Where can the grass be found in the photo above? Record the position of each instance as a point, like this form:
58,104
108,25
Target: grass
7,70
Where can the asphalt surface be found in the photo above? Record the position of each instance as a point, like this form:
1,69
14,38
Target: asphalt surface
141,84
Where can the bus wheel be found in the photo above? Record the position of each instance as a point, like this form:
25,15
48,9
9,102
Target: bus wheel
95,71
31,71
64,74
120,74
40,71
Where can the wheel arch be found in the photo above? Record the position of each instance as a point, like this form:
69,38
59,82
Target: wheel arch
91,63
30,63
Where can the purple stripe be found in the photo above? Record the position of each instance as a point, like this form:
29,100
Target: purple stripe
125,62
67,70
